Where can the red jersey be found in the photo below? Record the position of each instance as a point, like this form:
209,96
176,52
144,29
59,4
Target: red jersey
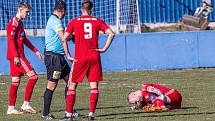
16,39
152,92
149,90
86,30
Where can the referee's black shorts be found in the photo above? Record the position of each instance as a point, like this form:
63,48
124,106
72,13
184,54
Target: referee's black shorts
56,65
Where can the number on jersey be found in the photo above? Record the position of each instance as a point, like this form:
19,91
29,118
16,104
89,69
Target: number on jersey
87,30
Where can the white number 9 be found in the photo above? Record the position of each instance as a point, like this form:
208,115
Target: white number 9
88,30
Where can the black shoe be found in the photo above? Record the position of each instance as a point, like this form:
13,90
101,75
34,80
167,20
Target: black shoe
48,117
66,119
76,115
91,118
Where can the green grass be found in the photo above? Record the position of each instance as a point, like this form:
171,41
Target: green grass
196,86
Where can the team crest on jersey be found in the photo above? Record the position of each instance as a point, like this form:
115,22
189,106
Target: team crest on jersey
56,75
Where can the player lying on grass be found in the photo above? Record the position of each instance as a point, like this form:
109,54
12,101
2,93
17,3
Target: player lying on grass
159,97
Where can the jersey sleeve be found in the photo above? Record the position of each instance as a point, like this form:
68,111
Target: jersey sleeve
70,28
104,26
30,45
12,29
58,26
149,88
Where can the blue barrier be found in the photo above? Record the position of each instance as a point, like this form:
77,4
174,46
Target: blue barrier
206,49
147,51
162,51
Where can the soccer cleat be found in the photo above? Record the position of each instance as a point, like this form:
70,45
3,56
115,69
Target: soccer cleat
28,109
76,115
91,117
66,119
14,112
48,117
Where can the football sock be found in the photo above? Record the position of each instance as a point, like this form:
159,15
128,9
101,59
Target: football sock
47,101
29,87
70,100
94,94
25,103
13,92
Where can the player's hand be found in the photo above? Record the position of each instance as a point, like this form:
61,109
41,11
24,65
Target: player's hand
17,61
40,56
71,59
100,50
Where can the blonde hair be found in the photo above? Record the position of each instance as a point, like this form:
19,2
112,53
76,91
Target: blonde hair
24,5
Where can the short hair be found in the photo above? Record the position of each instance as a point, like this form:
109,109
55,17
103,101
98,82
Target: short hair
87,5
24,5
128,99
60,5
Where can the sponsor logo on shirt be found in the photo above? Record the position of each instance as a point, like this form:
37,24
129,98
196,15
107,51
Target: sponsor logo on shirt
59,27
56,75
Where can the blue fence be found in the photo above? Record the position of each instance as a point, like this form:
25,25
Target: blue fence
148,51
151,11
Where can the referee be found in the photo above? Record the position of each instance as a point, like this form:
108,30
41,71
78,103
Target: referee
56,65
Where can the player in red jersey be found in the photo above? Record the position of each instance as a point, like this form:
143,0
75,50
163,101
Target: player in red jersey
19,65
87,56
157,95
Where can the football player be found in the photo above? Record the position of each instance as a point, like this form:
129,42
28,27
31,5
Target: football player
155,95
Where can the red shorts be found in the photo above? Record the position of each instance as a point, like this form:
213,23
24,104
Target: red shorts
91,68
175,98
20,70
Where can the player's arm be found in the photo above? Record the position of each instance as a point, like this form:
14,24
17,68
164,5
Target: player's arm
156,91
33,48
65,46
111,35
11,40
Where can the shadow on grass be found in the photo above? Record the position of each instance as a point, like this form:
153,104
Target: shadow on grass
80,109
188,108
179,114
153,113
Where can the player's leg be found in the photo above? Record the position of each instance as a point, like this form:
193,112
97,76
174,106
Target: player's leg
12,96
78,72
70,100
65,74
75,114
94,95
26,68
48,94
15,76
54,73
94,75
176,99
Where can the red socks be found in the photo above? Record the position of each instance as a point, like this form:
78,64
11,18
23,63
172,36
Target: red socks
29,87
94,94
70,100
13,92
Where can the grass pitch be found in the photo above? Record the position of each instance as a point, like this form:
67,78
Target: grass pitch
196,86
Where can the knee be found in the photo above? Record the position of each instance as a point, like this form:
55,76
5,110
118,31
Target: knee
94,90
51,85
15,81
35,77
